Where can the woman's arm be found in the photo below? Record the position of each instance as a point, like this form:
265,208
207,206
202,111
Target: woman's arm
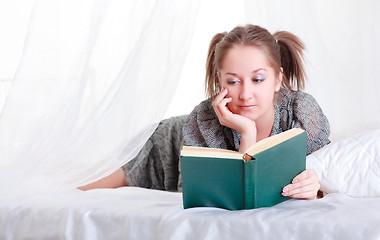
115,180
244,125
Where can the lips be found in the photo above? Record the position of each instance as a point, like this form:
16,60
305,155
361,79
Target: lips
247,107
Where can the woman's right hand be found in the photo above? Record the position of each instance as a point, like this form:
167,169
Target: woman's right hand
244,125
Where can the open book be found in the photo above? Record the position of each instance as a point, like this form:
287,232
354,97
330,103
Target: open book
231,180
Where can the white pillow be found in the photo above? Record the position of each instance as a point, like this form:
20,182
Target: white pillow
350,166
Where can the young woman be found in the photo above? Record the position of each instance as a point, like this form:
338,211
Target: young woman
254,81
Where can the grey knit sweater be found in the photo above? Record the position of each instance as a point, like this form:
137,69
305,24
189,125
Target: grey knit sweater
157,164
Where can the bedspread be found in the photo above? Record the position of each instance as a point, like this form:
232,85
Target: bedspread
137,213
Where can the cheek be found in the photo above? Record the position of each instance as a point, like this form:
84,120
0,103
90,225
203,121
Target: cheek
231,92
265,95
267,99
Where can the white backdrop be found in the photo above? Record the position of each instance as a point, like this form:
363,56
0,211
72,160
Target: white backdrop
341,37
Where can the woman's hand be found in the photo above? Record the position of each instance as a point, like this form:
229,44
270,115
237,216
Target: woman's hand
305,185
244,125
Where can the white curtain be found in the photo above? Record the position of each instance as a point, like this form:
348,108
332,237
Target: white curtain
97,76
94,80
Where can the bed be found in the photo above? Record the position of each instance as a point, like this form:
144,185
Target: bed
99,50
350,177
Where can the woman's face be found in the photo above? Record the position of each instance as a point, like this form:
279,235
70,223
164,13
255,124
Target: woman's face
251,82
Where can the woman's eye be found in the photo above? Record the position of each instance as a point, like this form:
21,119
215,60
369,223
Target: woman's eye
233,81
258,79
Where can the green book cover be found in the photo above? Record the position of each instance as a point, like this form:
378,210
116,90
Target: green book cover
225,179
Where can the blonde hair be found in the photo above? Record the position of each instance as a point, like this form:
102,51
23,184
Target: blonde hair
283,49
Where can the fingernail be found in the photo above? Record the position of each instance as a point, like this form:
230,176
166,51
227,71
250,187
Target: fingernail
285,189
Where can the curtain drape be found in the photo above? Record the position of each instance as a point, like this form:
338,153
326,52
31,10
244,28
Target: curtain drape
95,77
94,80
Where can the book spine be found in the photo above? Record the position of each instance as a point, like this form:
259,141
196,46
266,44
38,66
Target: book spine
249,184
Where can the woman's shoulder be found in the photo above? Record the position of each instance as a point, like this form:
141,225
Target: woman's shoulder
203,128
300,109
295,99
203,112
204,107
297,105
199,121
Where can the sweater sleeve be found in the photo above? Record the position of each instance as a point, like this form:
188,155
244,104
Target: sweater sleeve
204,130
308,115
156,165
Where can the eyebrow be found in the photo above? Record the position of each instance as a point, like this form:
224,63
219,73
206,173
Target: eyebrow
254,71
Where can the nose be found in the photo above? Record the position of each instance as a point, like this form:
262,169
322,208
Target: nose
246,91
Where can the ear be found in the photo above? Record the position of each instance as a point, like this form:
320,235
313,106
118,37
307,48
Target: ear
278,82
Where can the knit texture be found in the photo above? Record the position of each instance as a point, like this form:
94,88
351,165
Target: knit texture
156,165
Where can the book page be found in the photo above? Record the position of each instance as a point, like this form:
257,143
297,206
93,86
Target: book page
273,140
210,152
254,149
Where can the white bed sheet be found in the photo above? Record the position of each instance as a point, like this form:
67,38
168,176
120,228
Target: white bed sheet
349,172
136,213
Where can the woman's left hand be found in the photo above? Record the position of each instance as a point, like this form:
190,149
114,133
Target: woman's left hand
305,185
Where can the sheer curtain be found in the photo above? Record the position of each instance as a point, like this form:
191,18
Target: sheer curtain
94,80
97,76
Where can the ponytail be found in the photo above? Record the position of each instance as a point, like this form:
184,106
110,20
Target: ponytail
212,87
291,48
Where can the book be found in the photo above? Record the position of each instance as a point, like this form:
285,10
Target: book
231,180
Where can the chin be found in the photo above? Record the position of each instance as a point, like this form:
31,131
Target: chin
251,116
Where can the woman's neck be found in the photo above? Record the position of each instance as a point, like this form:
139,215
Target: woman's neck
264,125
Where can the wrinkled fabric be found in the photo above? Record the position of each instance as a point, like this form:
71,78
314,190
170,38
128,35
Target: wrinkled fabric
93,82
138,213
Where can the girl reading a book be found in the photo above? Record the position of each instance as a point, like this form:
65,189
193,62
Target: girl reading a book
253,82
